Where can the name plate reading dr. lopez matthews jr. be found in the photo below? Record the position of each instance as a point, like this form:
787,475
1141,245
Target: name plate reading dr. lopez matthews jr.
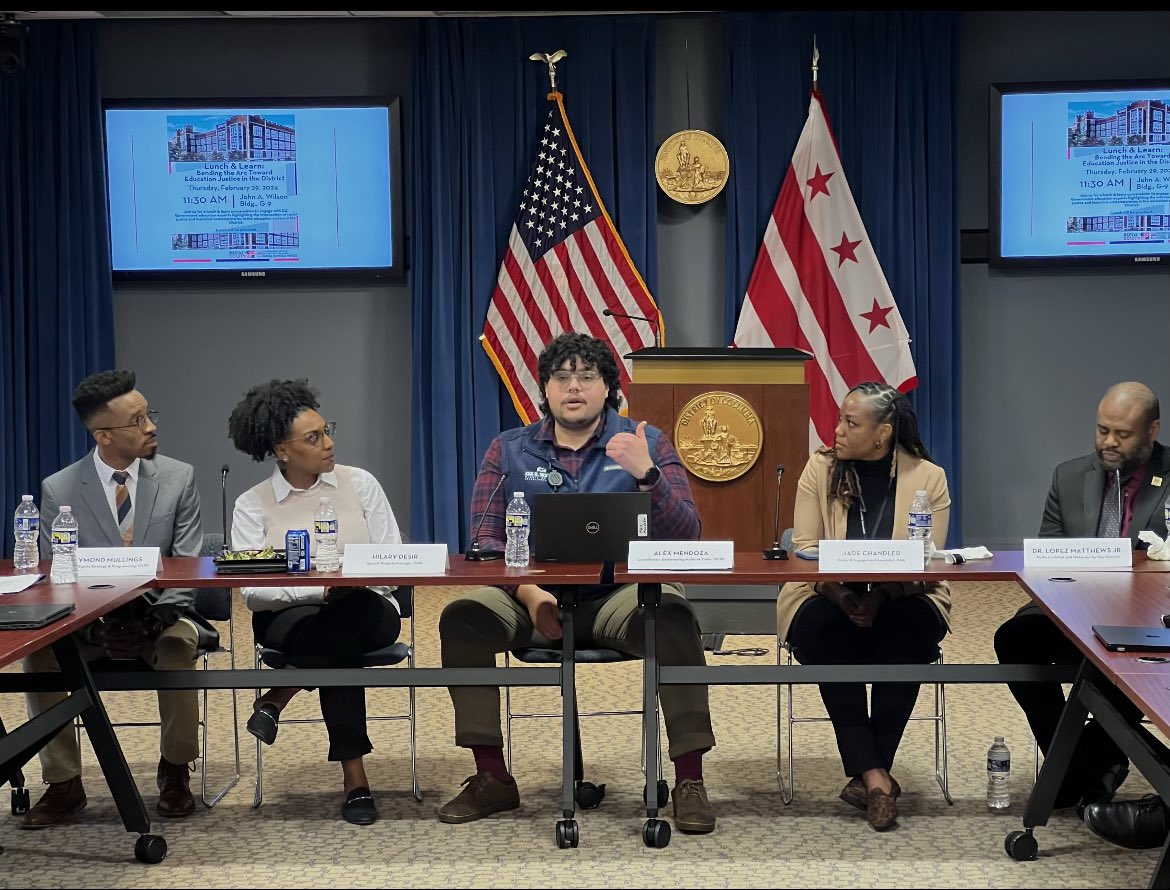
870,556
406,559
693,556
116,562
1078,553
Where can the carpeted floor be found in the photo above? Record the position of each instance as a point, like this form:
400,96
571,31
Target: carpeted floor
298,840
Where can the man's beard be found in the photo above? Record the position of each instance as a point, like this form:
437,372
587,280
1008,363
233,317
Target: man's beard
1128,464
581,424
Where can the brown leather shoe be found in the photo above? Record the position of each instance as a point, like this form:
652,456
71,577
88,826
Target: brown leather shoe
693,812
855,794
482,795
61,802
174,790
881,810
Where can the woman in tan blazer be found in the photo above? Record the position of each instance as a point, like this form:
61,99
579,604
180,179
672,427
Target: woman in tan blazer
862,488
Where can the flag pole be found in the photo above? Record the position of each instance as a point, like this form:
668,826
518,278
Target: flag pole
815,59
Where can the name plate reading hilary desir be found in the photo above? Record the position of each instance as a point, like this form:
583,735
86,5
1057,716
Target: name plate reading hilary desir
649,556
870,556
116,562
406,559
1078,553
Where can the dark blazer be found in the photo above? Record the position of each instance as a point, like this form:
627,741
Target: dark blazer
166,515
1073,508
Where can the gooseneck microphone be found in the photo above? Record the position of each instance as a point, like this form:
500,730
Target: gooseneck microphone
776,551
653,322
223,474
474,553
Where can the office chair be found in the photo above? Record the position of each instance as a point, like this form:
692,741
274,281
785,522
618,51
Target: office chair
587,794
213,604
393,654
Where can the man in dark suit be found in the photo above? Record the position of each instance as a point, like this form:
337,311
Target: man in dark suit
123,493
1116,492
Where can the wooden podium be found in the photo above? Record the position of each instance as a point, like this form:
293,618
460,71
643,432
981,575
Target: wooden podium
665,381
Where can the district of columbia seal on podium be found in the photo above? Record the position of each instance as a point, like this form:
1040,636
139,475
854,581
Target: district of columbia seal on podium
718,436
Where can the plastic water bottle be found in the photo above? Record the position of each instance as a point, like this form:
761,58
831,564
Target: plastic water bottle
64,538
999,770
517,520
26,555
325,535
1166,515
921,519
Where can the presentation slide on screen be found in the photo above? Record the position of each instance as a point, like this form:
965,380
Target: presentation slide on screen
1085,174
249,188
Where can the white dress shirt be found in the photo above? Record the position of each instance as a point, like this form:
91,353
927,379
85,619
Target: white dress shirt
106,474
248,533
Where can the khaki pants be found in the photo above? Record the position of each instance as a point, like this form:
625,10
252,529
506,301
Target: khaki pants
178,711
475,627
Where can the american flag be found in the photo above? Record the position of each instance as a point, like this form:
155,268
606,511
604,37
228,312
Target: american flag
564,264
818,286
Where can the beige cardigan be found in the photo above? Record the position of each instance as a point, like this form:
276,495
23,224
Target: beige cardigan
816,519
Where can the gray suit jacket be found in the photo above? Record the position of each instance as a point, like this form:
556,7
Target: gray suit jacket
166,515
1073,508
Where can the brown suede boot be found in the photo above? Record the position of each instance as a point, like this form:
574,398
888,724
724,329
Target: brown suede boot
693,812
59,803
174,790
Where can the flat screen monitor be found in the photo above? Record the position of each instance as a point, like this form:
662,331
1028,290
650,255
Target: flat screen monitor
254,188
1080,174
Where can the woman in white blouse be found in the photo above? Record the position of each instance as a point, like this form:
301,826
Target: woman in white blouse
334,624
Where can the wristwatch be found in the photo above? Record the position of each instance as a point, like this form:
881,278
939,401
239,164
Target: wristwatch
651,477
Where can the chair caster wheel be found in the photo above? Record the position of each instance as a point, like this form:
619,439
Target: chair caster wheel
656,833
151,849
1021,845
20,801
589,796
568,834
663,793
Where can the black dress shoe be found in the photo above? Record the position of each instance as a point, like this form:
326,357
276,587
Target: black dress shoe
359,807
1111,780
1136,824
264,723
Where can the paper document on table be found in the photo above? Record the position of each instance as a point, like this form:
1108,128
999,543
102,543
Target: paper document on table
17,583
962,554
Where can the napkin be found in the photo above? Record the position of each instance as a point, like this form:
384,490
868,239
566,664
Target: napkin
1158,548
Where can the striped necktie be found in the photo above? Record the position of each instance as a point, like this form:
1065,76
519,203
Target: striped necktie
125,509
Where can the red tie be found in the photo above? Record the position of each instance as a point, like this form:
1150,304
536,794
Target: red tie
125,509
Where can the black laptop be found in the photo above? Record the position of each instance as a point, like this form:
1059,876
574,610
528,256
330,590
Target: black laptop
27,616
595,527
1118,638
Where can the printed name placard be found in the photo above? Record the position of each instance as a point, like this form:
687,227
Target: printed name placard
871,556
648,556
97,562
1078,553
406,559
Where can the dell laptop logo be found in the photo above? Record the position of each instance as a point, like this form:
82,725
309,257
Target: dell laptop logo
592,527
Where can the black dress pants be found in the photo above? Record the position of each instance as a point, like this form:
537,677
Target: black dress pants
338,633
906,631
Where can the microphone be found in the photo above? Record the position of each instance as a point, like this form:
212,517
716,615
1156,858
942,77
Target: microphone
474,553
223,474
652,321
776,551
1120,509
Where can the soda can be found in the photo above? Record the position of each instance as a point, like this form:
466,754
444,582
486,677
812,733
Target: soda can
296,543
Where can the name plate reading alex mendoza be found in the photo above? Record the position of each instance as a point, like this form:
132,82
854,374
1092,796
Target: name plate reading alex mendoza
117,562
405,559
871,556
693,556
1078,553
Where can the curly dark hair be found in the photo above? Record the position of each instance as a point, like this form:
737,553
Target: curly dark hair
265,415
888,406
591,353
95,392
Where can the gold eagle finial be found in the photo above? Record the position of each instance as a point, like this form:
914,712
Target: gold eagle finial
551,60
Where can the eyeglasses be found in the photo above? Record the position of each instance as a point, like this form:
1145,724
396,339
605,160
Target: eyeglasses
150,417
585,378
317,437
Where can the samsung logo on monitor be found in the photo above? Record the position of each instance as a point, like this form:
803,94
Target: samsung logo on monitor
1147,259
253,274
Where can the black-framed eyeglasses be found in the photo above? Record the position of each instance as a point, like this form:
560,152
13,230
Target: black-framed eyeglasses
150,417
317,437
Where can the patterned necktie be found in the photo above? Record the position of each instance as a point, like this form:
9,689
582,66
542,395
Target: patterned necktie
125,509
1110,524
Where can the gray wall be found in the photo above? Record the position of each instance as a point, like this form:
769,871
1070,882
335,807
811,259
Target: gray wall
197,349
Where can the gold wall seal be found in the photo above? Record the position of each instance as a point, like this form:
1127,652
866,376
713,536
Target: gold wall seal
719,436
692,166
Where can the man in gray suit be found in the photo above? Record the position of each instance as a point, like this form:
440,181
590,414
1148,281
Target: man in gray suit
122,494
1116,492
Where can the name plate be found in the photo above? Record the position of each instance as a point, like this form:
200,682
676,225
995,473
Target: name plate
98,562
405,559
1078,553
649,556
871,556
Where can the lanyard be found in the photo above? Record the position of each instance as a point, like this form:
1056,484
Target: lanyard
881,513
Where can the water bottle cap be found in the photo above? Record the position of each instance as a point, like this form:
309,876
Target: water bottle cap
518,494
65,508
326,500
999,740
26,497
920,493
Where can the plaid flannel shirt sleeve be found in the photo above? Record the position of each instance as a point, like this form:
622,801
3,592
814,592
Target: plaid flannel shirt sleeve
673,514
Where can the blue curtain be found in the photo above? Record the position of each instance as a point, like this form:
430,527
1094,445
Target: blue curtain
889,83
56,295
478,102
